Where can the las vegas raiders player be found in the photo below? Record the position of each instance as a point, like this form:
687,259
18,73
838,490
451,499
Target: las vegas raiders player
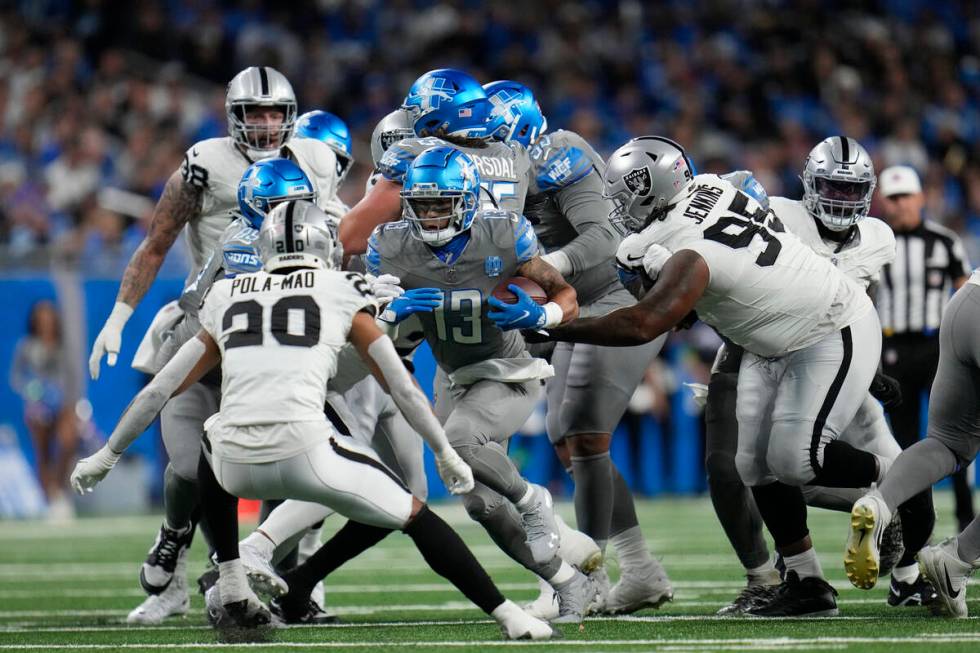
200,198
277,334
592,385
811,336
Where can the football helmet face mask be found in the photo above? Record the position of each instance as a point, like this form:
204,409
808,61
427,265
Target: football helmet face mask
450,100
838,182
328,128
442,181
514,114
255,87
641,178
296,233
268,183
395,127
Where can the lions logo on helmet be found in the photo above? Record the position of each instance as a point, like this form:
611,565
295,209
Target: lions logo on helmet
450,100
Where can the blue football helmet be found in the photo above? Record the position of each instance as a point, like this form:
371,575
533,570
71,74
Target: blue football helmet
514,113
438,174
448,99
268,183
328,128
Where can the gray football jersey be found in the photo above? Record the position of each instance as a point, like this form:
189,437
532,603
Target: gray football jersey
505,169
566,207
459,333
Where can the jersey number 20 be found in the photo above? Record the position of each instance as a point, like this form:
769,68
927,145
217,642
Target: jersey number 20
252,334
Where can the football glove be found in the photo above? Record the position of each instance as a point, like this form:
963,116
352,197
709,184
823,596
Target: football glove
456,475
90,471
109,338
386,287
524,314
416,300
886,390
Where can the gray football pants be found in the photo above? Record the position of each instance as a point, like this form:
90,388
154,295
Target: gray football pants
182,426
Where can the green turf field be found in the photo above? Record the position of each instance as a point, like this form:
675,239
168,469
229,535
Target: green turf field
70,587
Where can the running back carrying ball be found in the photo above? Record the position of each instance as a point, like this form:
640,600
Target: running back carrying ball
536,292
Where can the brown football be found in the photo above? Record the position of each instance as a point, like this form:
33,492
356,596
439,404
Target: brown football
503,293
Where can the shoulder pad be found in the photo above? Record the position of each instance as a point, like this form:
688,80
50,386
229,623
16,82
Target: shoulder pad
196,166
559,164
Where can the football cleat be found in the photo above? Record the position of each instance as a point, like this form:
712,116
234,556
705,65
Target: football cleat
158,568
750,598
319,595
638,591
862,560
540,526
261,576
308,614
918,592
810,597
546,605
600,581
948,575
171,602
248,613
892,546
515,624
574,598
577,548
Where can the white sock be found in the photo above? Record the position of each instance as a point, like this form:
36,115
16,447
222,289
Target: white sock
631,549
506,611
525,501
764,574
564,574
233,583
291,518
906,574
805,564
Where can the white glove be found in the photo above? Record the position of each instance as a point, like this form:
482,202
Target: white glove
629,255
89,471
456,475
558,260
109,338
386,287
655,259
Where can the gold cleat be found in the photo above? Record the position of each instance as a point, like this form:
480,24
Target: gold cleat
861,561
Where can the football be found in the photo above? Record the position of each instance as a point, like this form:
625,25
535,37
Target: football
503,293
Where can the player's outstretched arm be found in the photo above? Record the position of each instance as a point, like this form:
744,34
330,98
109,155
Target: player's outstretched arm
180,202
189,364
381,204
559,291
682,281
380,356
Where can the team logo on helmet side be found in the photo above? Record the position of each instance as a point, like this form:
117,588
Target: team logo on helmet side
432,92
638,180
504,102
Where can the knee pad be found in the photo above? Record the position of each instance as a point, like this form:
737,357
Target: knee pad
481,502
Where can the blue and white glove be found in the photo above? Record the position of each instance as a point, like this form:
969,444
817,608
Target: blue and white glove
417,300
524,314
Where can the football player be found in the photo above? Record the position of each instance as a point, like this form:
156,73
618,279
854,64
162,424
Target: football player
592,385
333,131
450,256
277,334
447,107
810,334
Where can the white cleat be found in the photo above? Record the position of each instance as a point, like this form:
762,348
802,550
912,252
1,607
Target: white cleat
941,565
248,613
517,624
172,602
862,559
600,581
638,591
577,548
546,605
574,598
261,576
540,526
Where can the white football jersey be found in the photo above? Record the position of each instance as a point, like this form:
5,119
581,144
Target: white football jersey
216,165
862,257
768,292
279,336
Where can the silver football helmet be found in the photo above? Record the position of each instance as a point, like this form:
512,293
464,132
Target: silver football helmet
396,126
298,234
838,182
641,178
264,87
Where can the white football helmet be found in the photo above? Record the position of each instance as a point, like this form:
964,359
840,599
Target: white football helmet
838,182
297,234
259,86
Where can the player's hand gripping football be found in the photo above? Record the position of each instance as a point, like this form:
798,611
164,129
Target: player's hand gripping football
456,475
90,471
416,300
525,313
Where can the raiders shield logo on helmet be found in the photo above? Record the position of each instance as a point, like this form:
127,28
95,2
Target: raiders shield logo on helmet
638,180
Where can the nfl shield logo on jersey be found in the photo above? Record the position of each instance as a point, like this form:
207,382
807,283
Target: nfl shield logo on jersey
638,180
493,265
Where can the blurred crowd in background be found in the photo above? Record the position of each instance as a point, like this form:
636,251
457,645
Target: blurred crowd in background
99,100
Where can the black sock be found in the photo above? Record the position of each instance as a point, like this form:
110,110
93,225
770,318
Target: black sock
783,511
845,466
449,557
918,520
220,509
347,543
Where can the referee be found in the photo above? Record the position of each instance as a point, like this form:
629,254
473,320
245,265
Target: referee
930,263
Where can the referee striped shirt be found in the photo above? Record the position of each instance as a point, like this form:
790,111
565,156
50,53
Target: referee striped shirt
914,288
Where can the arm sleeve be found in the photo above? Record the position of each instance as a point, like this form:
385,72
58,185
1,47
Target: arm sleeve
588,212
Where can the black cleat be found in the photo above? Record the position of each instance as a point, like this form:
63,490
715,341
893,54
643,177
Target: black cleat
753,596
810,597
157,570
309,614
207,580
918,592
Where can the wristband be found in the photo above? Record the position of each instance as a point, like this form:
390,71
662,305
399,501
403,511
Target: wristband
553,315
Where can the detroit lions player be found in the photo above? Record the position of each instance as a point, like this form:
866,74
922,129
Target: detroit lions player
811,336
271,438
592,385
447,107
449,256
327,128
